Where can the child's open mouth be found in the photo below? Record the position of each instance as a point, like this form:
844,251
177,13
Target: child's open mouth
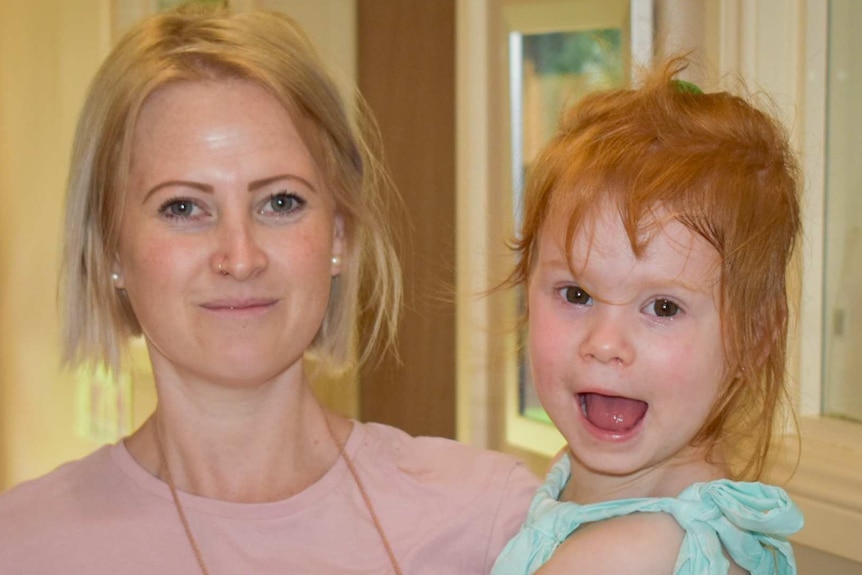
611,413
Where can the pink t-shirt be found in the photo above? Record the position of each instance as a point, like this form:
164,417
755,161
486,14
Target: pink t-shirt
446,508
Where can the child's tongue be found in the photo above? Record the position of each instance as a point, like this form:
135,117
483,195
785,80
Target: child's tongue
611,413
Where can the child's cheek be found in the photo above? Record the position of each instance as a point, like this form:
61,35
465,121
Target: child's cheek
548,350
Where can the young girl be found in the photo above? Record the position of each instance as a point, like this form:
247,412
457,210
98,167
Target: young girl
658,228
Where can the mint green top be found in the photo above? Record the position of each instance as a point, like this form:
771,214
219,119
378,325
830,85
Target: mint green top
750,521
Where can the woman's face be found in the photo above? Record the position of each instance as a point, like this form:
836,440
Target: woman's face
228,234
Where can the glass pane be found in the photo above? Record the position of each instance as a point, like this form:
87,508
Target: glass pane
549,72
842,392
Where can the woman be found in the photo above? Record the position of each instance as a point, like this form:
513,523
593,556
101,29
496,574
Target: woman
222,206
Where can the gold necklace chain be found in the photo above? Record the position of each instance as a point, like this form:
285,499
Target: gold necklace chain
163,462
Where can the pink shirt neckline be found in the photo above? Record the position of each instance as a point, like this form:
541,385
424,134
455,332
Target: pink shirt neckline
299,503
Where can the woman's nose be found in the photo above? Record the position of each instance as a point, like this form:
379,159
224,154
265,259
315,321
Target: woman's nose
607,337
239,253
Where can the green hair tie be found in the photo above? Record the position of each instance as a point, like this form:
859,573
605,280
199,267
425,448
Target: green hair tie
686,87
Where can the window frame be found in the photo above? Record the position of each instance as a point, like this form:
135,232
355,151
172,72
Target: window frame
827,477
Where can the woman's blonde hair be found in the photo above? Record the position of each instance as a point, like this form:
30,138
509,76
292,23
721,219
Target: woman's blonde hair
271,50
725,170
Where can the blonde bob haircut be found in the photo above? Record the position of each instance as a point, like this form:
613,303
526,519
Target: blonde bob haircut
272,51
724,169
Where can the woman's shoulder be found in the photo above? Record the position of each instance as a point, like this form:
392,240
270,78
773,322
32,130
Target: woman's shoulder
447,473
67,480
440,457
447,492
38,507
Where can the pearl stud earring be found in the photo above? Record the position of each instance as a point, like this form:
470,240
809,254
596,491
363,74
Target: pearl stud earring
336,260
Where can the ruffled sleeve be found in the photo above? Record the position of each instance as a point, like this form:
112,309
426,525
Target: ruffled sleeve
750,521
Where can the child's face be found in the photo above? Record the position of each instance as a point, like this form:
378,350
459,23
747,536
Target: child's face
626,353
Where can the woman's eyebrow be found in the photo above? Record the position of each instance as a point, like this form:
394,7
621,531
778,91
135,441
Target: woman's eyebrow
185,183
206,188
257,184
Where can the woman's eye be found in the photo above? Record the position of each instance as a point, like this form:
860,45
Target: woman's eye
179,208
284,203
665,308
576,295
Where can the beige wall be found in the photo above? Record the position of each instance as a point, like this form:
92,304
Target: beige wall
48,51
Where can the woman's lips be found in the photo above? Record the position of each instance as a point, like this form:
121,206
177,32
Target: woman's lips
244,307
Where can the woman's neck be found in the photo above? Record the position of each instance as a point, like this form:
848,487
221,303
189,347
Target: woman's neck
243,444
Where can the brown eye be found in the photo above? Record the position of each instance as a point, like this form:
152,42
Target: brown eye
665,308
576,295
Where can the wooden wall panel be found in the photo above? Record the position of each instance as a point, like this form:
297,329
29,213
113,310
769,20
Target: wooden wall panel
406,72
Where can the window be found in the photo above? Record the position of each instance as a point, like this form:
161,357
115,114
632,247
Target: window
842,309
828,481
557,53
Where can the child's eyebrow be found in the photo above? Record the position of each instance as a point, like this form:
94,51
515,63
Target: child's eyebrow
676,283
555,263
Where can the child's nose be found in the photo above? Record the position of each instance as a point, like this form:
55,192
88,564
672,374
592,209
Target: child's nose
607,338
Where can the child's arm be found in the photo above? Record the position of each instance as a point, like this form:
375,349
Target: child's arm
641,543
637,544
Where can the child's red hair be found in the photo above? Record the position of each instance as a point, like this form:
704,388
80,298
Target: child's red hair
724,169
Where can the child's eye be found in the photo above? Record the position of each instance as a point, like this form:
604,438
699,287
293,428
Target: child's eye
179,208
283,203
575,295
664,308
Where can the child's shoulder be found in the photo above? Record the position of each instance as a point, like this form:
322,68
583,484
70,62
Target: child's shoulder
635,544
645,543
